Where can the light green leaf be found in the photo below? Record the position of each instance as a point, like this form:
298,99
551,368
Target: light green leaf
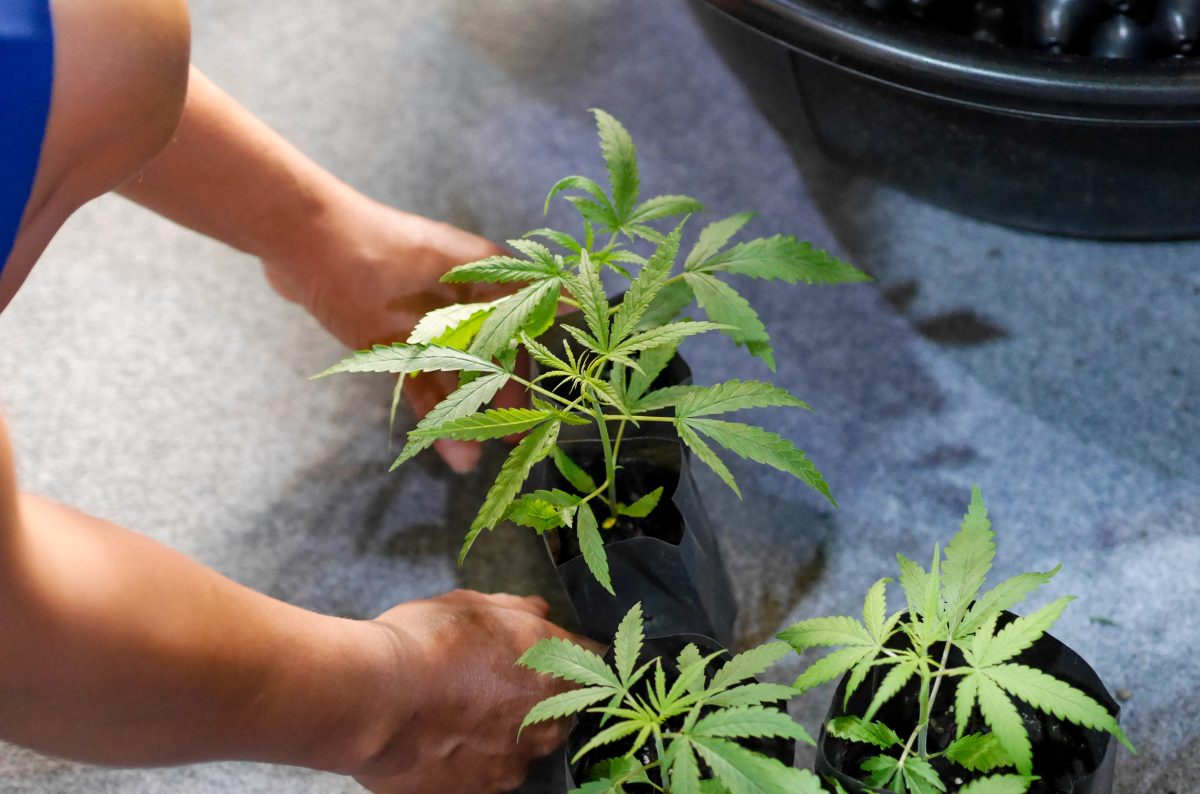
565,703
645,288
509,480
542,355
921,776
561,239
978,752
762,446
749,664
744,722
832,666
965,694
672,299
969,556
537,514
825,632
892,683
500,270
612,733
653,362
508,318
752,694
589,293
620,157
1022,632
642,507
875,610
915,581
1005,595
714,236
685,772
627,645
782,258
404,358
881,770
705,453
665,397
745,772
1007,726
564,659
856,729
1046,693
580,183
464,401
724,305
653,209
592,545
670,334
572,472
492,423
735,395
998,784
689,657
437,325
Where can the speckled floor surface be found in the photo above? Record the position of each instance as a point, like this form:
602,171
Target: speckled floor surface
151,376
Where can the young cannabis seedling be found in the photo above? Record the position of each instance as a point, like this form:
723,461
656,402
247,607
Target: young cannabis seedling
605,378
685,731
949,632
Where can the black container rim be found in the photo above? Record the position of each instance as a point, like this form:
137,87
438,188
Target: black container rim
1164,91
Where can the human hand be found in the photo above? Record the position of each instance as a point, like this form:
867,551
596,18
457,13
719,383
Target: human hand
459,732
368,273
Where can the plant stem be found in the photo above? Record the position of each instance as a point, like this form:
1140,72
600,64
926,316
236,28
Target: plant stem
662,752
612,473
610,462
925,718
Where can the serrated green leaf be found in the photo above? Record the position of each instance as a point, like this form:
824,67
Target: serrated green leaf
832,666
514,314
892,683
670,334
645,288
500,270
592,545
921,776
856,729
685,772
561,239
705,453
539,515
620,158
492,423
653,362
513,473
1005,595
745,722
749,664
965,695
724,305
579,183
826,632
1022,632
881,770
714,236
998,784
968,559
735,395
752,694
653,209
564,659
405,358
593,304
598,214
688,657
1005,721
643,507
462,402
875,610
782,258
572,472
745,772
565,703
439,324
627,644
978,752
665,397
914,581
1046,693
857,676
762,446
612,733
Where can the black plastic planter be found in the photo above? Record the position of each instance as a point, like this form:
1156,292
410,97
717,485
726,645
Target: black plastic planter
672,566
1064,144
1067,758
667,649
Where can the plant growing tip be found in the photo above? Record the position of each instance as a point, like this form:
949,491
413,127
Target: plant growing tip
605,375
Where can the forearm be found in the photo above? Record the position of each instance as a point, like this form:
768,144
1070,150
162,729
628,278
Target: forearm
117,650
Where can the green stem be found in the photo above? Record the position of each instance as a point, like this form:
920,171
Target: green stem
662,752
610,462
924,726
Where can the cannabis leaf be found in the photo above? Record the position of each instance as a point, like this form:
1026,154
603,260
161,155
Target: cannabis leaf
466,400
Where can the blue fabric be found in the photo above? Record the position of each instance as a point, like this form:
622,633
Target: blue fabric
26,74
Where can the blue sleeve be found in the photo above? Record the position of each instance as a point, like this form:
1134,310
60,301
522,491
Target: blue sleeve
26,75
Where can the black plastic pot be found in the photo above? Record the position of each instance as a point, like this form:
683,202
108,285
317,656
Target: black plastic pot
673,568
667,648
1063,144
1089,771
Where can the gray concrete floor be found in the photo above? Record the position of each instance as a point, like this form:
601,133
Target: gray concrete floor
150,376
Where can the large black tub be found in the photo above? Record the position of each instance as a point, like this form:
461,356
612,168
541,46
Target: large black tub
1068,144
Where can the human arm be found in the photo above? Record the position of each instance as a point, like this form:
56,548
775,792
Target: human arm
117,650
367,272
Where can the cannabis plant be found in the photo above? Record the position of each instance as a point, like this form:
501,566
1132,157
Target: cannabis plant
688,733
604,374
950,631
